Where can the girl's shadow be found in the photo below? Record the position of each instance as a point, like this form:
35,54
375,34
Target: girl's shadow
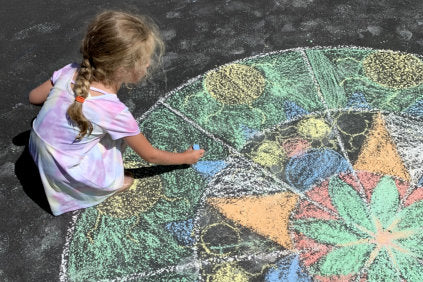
27,173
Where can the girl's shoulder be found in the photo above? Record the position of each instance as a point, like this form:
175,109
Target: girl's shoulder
64,71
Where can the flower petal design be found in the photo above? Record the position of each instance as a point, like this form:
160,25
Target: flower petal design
381,269
328,232
411,269
411,217
413,244
345,260
385,200
349,204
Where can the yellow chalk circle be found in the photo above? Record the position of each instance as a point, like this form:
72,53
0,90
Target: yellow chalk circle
235,84
315,128
212,238
140,197
229,272
393,69
268,154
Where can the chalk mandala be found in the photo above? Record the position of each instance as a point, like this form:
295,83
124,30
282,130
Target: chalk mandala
313,172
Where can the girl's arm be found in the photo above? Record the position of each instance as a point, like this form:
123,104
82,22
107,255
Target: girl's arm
38,95
145,150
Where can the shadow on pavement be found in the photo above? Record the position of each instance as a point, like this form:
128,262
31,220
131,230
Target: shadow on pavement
144,172
27,173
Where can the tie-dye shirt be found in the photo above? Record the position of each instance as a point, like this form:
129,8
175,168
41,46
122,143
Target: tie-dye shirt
79,174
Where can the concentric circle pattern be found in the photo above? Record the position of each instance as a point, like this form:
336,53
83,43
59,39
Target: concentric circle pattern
313,171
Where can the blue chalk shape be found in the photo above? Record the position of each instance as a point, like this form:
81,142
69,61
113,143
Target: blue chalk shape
209,168
287,269
306,170
416,109
196,147
358,101
292,110
420,182
182,231
248,132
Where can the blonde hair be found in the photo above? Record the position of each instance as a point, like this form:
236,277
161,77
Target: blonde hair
114,41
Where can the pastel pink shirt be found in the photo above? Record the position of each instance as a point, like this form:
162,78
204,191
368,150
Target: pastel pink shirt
79,174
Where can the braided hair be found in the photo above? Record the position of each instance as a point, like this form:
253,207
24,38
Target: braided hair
116,48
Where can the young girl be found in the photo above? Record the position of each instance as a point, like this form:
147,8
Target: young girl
79,135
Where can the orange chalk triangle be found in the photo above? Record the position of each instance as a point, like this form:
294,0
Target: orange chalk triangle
266,215
379,153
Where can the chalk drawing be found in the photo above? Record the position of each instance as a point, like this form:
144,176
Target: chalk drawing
41,28
394,70
358,101
182,230
253,212
343,72
211,239
243,179
353,127
235,84
382,240
416,109
379,153
228,272
309,168
287,269
292,110
313,171
261,107
209,168
407,136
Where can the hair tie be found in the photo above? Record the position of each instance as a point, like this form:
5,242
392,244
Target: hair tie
80,99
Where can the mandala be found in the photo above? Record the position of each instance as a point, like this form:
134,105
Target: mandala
313,172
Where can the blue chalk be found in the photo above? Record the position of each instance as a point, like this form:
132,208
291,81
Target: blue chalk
196,147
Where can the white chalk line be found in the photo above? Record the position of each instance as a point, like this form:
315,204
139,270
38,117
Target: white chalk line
205,262
65,254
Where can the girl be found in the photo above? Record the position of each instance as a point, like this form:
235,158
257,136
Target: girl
82,128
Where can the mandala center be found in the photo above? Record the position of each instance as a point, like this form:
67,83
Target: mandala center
384,238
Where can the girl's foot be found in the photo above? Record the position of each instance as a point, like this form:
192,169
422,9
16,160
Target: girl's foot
128,180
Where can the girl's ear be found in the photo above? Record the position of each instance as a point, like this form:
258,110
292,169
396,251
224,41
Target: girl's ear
122,75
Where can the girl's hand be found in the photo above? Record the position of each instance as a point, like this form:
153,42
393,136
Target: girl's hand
192,156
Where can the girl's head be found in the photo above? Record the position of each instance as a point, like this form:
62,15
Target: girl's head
118,48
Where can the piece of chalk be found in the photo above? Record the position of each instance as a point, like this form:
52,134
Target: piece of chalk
196,147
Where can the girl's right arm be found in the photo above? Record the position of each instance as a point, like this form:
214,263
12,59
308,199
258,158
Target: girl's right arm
38,95
145,150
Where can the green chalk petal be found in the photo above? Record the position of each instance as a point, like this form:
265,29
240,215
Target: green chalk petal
382,270
411,270
345,260
327,232
411,217
349,204
413,244
384,202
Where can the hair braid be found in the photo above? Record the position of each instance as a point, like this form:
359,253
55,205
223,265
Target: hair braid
81,88
117,48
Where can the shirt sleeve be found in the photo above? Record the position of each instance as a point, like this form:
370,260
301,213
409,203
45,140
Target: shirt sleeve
62,71
123,125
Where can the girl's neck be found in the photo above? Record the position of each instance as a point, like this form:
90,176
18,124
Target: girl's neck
107,88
